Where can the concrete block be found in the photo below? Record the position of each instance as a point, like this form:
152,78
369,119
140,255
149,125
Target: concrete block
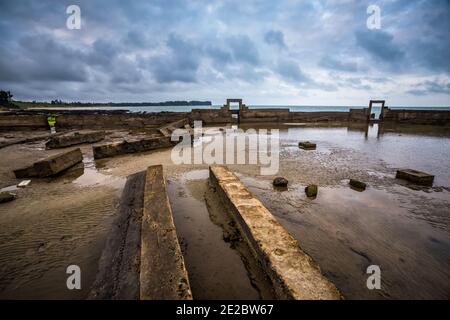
118,148
163,273
293,273
417,177
74,138
52,165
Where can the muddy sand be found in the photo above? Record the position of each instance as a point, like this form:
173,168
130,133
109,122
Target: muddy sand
402,228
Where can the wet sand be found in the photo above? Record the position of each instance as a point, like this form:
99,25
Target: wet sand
404,229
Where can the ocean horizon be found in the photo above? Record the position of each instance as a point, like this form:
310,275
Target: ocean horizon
295,108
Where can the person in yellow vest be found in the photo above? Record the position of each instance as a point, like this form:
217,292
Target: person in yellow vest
51,119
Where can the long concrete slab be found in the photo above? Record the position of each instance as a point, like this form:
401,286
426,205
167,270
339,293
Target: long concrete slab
124,147
293,273
142,258
74,138
51,165
119,265
163,273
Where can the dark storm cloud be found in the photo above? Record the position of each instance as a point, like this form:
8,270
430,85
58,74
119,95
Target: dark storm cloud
179,64
244,50
291,71
158,48
380,45
276,38
430,86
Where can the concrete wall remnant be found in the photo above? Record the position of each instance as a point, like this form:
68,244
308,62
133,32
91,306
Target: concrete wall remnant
51,165
293,273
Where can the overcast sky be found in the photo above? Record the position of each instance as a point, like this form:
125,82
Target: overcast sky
265,51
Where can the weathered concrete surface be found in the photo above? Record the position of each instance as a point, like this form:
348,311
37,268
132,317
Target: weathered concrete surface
163,273
293,273
167,130
119,266
74,138
432,117
87,119
52,165
31,139
118,148
417,177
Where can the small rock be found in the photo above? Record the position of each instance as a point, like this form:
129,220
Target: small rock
358,184
307,145
6,197
280,182
311,191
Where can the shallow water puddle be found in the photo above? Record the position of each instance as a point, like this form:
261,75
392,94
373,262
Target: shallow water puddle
345,231
215,270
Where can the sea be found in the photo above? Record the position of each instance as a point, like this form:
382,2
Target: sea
303,108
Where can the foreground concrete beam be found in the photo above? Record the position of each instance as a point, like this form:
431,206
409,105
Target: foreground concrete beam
124,147
415,176
293,273
118,274
51,166
74,138
163,273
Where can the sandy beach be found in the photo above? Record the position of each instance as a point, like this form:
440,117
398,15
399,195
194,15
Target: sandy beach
62,220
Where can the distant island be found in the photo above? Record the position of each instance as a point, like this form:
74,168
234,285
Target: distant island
7,102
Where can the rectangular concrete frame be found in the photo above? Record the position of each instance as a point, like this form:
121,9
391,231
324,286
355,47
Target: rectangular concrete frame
293,273
415,176
52,165
163,273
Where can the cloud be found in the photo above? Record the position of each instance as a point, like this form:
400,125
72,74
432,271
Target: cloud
380,45
290,70
333,63
275,38
430,87
179,64
244,50
156,50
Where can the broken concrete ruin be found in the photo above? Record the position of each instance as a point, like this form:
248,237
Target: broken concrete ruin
124,147
74,138
415,176
167,130
142,258
101,119
294,275
51,166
